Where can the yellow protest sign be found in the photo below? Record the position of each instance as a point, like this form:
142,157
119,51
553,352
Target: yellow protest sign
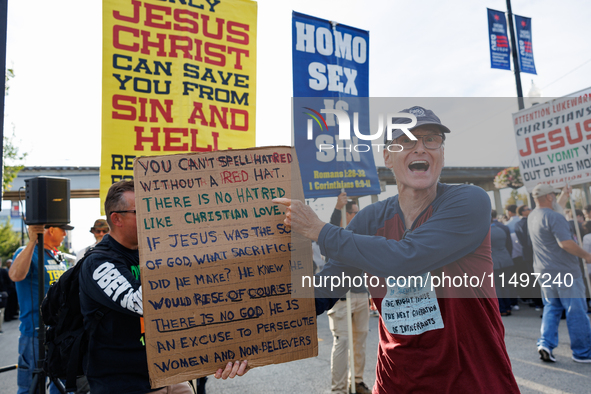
178,76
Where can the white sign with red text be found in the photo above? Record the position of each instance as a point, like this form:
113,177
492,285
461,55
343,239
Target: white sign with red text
554,141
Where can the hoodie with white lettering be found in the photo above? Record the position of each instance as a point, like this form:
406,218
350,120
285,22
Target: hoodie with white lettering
116,356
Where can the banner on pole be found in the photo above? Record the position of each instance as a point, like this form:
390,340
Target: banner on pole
177,77
331,74
498,40
553,141
524,43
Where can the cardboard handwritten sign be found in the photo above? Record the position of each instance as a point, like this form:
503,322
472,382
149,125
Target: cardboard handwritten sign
217,262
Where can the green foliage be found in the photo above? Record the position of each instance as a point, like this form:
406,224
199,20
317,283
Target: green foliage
512,198
8,76
9,240
517,198
12,158
579,197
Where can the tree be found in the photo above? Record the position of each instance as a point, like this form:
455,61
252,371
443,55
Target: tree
524,198
64,249
579,197
11,156
9,74
9,240
517,198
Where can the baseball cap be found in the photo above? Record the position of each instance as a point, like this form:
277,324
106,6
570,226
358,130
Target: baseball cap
62,226
100,224
424,117
542,189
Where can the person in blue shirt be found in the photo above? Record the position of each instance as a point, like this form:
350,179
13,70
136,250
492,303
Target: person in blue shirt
561,281
24,272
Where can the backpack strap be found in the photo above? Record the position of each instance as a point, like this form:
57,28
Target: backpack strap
77,355
77,351
65,308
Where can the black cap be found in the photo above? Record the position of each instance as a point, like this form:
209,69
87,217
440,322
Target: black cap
62,226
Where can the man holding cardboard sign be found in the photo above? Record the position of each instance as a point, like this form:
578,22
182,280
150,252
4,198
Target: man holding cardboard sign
445,340
109,278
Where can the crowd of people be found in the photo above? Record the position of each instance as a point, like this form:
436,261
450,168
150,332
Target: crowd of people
514,223
446,339
547,243
512,216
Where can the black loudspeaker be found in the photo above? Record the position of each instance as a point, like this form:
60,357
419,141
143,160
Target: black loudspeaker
47,200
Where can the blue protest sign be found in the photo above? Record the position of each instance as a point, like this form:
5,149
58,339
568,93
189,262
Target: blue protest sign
498,40
524,43
331,73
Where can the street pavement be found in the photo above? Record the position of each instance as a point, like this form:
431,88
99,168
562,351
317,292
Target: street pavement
313,375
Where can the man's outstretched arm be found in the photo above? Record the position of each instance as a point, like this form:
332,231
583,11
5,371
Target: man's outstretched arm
20,266
571,247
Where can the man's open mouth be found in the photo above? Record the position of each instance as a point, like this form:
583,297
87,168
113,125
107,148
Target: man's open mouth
418,165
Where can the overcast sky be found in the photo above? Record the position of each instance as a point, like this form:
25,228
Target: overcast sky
417,49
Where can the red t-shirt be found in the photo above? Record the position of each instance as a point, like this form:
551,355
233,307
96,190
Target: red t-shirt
451,339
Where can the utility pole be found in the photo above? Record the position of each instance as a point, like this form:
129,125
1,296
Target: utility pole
3,28
515,59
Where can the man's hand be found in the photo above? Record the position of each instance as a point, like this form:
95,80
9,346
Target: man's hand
301,218
564,196
20,266
34,230
341,201
238,368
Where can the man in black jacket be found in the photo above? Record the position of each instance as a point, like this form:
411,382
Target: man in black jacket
110,277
